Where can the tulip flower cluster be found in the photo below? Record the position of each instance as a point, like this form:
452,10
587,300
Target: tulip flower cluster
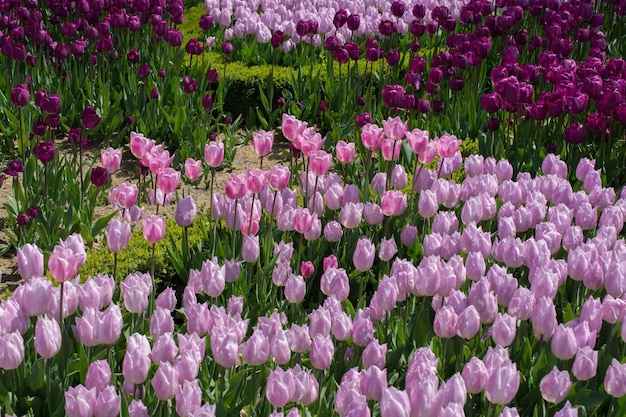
526,272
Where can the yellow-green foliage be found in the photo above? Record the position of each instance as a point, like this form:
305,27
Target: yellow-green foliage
190,28
137,255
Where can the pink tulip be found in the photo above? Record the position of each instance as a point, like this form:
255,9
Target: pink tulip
236,186
263,142
503,384
555,386
393,203
192,168
346,152
319,162
256,349
417,140
504,329
80,402
363,257
165,382
153,228
224,346
615,379
185,211
250,248
394,128
295,289
292,127
111,159
137,409
563,343
67,257
188,398
98,375
390,149
118,235
214,153
279,387
47,337
372,137
11,350
375,354
447,145
108,403
140,145
475,376
278,177
468,323
35,296
137,359
161,322
586,363
362,329
126,195
168,179
29,261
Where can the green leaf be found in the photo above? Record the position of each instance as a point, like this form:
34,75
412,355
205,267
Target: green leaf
36,377
180,117
101,223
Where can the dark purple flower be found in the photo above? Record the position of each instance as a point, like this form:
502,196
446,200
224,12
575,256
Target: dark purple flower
493,124
408,101
491,102
16,166
23,219
51,104
206,21
354,22
39,128
387,27
174,38
144,70
207,101
331,43
323,105
212,76
575,134
363,119
33,212
302,27
340,19
44,151
373,54
99,176
423,105
53,120
278,38
456,83
280,101
228,120
133,56
340,54
227,48
360,101
415,46
20,95
397,8
194,47
393,57
419,11
89,118
129,119
392,95
154,94
438,106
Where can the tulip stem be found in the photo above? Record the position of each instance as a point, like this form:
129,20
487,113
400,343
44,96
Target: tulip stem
151,305
114,265
22,136
234,229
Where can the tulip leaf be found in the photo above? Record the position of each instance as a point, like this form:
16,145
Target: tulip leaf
36,376
180,117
